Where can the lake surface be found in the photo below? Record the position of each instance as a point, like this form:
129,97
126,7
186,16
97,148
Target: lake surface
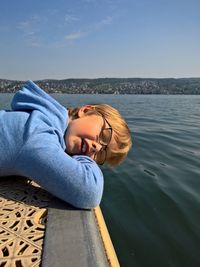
151,202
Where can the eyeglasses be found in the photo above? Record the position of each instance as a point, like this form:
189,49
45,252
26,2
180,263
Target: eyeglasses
104,140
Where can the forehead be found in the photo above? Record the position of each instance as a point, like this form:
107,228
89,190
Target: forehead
91,123
95,119
91,117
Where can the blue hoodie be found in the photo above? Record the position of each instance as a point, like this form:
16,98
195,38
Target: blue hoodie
32,145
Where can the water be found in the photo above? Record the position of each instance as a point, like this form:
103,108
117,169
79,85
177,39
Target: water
151,202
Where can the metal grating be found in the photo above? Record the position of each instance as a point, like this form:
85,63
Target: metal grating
23,213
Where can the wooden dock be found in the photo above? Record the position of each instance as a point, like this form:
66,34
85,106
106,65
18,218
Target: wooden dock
37,229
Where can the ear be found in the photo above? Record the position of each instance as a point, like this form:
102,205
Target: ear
84,109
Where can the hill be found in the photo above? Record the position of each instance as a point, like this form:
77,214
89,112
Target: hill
111,86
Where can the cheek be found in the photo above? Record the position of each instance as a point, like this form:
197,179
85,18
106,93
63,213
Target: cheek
70,134
73,128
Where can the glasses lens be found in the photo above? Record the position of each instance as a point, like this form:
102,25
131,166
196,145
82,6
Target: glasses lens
105,136
100,157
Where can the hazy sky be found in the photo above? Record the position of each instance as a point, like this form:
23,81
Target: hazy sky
99,38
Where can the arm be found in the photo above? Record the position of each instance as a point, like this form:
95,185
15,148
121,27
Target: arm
31,97
78,180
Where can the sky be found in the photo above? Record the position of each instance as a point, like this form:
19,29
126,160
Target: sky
48,39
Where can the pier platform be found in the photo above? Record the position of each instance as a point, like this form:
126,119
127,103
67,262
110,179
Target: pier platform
37,229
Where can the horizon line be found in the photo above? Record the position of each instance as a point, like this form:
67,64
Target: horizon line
147,78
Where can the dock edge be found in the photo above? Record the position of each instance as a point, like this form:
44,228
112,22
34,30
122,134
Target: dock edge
106,240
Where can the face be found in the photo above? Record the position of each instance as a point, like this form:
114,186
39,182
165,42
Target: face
82,135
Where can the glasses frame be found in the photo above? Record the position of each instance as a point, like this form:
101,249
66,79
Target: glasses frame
104,147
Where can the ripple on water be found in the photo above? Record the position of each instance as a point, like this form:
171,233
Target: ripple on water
149,172
151,202
163,164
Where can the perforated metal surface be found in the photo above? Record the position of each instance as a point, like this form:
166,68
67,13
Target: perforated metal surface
77,235
23,211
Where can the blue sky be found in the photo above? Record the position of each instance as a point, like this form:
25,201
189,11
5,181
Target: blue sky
62,39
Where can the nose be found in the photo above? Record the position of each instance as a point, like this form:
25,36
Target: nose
94,147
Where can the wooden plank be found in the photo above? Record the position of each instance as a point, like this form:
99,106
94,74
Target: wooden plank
107,242
72,238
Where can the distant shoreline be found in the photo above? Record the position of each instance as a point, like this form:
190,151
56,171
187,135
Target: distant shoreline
166,86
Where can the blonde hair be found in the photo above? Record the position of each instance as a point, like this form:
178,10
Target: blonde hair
121,131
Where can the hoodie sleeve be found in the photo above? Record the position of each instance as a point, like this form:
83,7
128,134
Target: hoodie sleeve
77,180
31,97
